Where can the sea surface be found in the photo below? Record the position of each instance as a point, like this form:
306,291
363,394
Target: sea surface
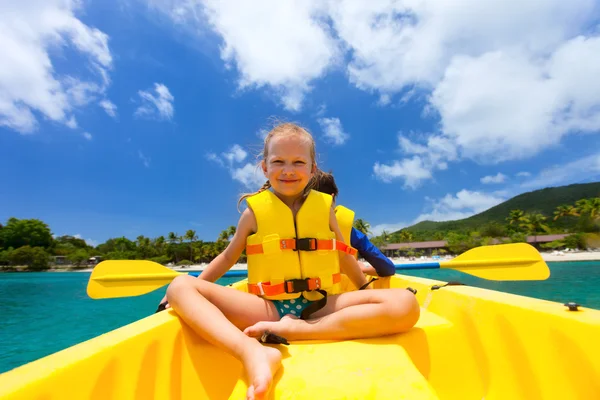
44,312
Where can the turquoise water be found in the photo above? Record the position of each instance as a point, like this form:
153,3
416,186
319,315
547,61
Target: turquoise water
43,313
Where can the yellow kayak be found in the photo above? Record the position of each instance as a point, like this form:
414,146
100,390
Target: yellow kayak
469,343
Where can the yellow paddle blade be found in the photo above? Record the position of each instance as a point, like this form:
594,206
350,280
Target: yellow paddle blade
125,278
502,262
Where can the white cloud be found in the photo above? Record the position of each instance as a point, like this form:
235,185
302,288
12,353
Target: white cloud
262,133
90,242
29,33
384,100
87,135
145,159
333,131
215,158
282,46
580,170
426,158
71,123
498,178
462,205
523,174
109,107
412,170
250,175
505,82
159,106
235,154
376,230
506,105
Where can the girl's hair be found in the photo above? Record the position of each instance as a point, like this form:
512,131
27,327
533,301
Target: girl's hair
288,129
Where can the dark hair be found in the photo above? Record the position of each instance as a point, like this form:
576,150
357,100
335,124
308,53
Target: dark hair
325,183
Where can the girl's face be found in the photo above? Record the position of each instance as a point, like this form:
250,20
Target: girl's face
289,165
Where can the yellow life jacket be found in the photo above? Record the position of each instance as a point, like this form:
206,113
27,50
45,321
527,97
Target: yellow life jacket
345,220
278,256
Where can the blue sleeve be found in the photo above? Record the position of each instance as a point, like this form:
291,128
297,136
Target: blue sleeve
383,265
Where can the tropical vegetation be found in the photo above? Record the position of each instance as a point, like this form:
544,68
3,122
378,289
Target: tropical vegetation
583,227
30,242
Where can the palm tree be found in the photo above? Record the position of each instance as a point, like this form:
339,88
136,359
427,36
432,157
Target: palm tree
223,236
589,207
159,243
535,223
191,236
565,211
516,217
173,237
226,234
143,244
406,236
231,231
362,226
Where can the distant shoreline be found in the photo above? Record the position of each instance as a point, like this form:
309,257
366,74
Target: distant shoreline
554,256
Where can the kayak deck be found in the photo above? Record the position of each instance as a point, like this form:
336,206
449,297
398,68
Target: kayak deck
469,343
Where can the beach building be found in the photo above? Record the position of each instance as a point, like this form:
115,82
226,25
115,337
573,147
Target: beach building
427,248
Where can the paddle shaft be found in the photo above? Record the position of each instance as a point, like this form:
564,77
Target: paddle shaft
466,264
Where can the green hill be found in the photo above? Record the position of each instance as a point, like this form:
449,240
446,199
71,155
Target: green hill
543,201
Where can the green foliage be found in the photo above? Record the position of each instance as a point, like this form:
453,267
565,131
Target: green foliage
592,240
493,229
161,259
544,201
25,232
575,241
5,256
362,226
557,244
460,242
79,257
518,237
35,258
184,262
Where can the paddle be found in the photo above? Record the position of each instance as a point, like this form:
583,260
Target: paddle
502,262
516,261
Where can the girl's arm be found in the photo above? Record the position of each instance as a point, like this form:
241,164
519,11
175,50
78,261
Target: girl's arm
221,264
224,261
348,264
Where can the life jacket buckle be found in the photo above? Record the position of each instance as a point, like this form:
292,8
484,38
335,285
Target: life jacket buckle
306,244
302,285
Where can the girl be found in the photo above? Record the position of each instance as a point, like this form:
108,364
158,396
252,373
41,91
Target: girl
233,319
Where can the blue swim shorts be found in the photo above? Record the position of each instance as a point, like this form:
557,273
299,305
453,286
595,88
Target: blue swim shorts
293,306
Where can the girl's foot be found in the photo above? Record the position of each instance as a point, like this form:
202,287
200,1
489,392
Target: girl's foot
283,327
261,363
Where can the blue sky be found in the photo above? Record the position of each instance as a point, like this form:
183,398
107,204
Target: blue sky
122,118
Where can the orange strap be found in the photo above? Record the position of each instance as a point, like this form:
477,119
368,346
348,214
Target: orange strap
305,244
289,286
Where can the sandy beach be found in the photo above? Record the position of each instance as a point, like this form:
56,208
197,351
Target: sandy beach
559,256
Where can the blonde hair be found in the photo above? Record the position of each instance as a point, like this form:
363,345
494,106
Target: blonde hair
287,129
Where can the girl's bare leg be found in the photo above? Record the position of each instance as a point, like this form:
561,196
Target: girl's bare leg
351,315
218,314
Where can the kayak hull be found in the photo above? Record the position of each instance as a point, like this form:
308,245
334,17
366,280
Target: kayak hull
469,343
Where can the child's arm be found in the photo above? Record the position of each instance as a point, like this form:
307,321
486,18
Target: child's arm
224,261
381,265
348,263
221,263
367,269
